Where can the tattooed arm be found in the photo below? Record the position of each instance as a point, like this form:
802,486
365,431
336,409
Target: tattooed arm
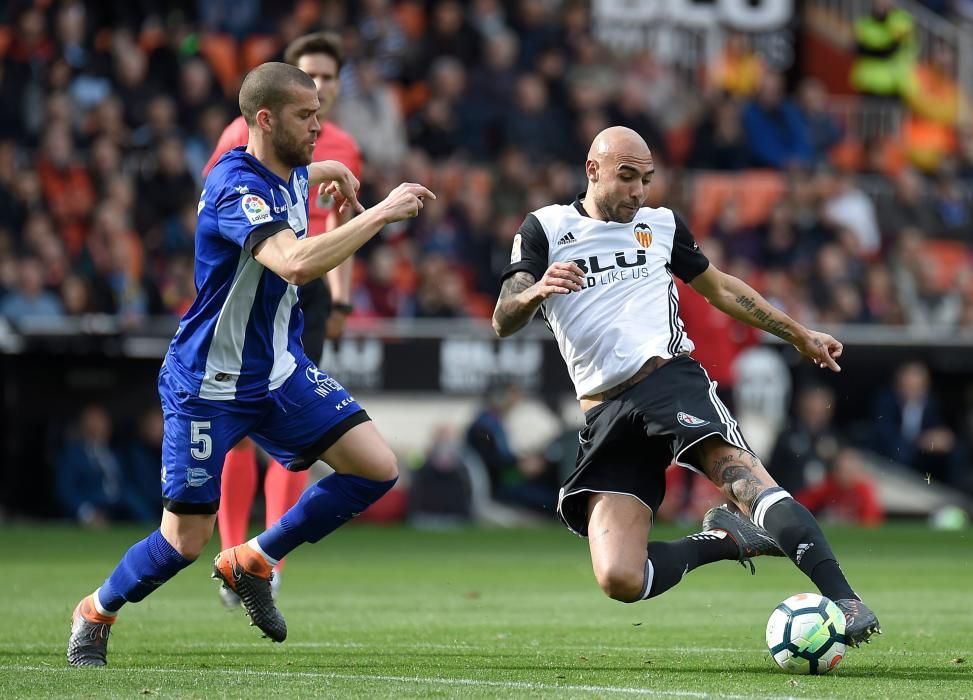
521,296
736,298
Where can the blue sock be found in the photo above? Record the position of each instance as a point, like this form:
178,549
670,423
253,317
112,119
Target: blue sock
146,566
323,508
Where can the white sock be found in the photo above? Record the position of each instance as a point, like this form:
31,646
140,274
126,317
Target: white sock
255,546
99,607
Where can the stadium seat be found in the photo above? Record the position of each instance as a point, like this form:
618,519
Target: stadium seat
755,193
220,51
259,49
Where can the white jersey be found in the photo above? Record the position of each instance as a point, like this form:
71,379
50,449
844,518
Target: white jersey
628,310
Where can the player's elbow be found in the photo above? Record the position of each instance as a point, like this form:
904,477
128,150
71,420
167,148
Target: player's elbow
502,330
298,273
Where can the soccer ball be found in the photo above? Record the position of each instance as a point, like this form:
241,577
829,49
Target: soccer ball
806,634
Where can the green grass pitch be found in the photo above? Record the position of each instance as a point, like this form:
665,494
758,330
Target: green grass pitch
395,613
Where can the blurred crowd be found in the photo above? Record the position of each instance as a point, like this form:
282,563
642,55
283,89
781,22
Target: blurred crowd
109,110
479,471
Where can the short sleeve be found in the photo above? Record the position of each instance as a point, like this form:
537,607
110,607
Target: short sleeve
246,216
530,250
687,261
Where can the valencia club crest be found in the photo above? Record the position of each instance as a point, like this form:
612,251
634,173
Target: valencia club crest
643,235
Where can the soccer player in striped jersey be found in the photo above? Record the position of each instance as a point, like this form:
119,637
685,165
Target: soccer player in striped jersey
236,365
325,303
601,272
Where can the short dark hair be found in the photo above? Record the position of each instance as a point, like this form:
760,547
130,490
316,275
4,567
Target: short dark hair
319,42
270,85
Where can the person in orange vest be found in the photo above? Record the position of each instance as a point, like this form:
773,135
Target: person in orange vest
738,69
936,105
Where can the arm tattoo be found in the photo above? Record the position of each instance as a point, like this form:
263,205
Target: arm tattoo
764,319
511,314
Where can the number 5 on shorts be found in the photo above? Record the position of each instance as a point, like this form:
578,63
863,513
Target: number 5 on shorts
203,443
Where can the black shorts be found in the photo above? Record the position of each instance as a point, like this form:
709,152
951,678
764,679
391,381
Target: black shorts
628,442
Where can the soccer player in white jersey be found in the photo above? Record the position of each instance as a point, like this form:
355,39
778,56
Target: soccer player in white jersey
236,365
601,272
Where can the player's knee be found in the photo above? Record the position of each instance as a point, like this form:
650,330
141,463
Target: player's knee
190,542
621,582
383,467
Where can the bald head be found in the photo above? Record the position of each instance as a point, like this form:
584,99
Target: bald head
271,86
619,170
618,140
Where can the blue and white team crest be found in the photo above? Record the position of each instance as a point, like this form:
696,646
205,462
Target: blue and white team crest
690,421
196,476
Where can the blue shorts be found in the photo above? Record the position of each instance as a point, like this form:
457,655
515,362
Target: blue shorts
295,424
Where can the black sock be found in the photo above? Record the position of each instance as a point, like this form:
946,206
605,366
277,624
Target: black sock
668,562
800,536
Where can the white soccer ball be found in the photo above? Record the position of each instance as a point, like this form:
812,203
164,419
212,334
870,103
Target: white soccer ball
806,634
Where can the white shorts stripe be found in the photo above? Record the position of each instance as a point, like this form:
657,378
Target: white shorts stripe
724,412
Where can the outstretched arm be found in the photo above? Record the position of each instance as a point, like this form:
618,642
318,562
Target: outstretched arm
299,261
736,298
521,295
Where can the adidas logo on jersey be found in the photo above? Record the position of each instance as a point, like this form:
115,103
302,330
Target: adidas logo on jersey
567,239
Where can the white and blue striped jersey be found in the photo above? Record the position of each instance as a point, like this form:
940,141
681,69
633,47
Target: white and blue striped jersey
242,336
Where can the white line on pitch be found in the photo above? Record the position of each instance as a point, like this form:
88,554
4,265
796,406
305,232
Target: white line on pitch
419,680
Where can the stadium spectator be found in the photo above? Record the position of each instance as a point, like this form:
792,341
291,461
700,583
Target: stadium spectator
926,301
809,443
91,483
719,142
824,131
908,427
885,47
953,209
738,70
141,456
370,112
442,489
910,207
449,35
532,124
846,494
777,135
29,300
845,205
935,102
515,480
68,192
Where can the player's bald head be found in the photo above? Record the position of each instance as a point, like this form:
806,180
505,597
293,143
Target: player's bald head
271,86
619,170
619,141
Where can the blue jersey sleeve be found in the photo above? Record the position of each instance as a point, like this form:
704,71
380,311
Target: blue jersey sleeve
246,214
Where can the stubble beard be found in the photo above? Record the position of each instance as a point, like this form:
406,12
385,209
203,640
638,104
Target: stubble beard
291,152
